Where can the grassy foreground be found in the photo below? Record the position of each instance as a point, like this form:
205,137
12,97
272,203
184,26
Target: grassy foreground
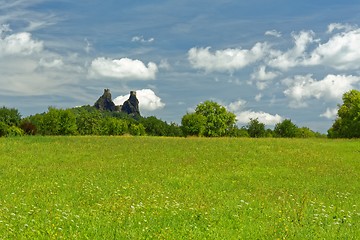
176,188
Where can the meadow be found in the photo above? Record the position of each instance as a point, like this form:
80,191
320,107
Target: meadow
179,188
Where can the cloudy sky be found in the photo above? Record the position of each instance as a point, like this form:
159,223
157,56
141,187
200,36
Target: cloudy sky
265,59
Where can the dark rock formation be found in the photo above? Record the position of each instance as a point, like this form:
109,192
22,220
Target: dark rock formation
131,106
105,102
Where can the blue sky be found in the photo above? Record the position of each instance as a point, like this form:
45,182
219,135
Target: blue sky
270,60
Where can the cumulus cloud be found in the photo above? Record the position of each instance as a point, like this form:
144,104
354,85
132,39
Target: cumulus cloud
124,69
148,101
331,88
227,60
341,52
330,113
262,77
273,33
19,44
263,117
294,56
339,26
243,116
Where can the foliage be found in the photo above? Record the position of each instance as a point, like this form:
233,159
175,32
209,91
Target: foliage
193,124
137,129
113,126
238,132
14,131
156,127
3,129
57,122
255,128
88,122
210,120
286,129
93,187
347,124
28,127
10,116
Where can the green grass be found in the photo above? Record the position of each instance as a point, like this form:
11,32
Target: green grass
177,188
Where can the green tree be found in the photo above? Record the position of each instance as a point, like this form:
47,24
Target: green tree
67,122
114,126
154,126
347,123
286,129
3,129
219,122
49,123
10,116
57,122
305,132
193,124
255,128
136,129
88,122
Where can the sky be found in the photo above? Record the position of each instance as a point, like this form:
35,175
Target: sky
265,59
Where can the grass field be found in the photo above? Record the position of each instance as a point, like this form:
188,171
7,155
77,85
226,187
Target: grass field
177,188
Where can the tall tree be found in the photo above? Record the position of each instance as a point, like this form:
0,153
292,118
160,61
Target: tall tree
193,124
286,129
219,122
10,116
347,123
255,128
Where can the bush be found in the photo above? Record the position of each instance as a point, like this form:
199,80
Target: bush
3,129
136,129
28,127
113,126
14,131
10,116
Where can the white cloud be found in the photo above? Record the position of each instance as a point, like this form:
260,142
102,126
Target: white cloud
4,28
338,26
19,44
243,116
164,64
341,52
262,77
53,63
124,69
331,88
88,46
263,117
236,106
295,56
330,113
273,33
148,100
258,97
230,59
142,39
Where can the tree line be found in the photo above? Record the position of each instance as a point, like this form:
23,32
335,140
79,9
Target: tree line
210,119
